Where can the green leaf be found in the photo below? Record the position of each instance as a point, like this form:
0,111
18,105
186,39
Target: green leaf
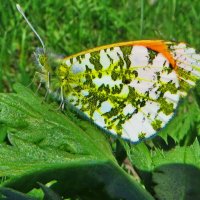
145,158
186,155
91,179
177,181
44,145
43,136
148,159
141,156
26,115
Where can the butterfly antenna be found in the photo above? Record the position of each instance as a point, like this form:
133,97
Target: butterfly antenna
30,25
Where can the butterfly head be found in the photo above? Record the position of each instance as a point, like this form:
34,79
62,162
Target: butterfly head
42,59
54,72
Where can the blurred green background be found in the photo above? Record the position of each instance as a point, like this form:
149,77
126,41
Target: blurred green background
70,26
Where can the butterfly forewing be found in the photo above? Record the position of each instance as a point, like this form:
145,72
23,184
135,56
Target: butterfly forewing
188,65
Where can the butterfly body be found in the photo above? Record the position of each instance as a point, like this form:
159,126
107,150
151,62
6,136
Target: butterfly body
130,89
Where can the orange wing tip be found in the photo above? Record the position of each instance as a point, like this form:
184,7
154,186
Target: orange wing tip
158,46
155,45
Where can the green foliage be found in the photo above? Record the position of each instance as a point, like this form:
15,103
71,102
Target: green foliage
145,159
43,145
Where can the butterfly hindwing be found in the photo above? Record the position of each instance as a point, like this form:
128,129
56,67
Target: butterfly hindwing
131,91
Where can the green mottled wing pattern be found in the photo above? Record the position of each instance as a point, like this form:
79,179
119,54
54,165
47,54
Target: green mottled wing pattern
130,91
188,65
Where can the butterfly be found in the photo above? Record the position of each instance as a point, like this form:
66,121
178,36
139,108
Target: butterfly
129,89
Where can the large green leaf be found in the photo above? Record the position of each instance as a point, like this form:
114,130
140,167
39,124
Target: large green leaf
26,115
43,144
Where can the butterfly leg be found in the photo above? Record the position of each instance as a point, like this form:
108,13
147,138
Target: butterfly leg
48,86
62,103
39,86
42,78
62,99
36,75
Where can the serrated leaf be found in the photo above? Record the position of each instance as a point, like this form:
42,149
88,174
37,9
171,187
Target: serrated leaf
186,155
141,157
177,181
43,136
147,160
28,157
44,145
32,120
